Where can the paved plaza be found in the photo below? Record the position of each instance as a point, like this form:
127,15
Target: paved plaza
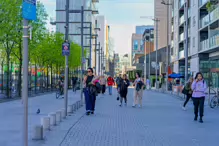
160,122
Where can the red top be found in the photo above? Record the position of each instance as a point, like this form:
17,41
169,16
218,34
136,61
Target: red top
110,81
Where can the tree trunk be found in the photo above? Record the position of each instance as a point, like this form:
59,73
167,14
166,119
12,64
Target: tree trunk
19,78
7,80
35,78
2,77
47,78
51,86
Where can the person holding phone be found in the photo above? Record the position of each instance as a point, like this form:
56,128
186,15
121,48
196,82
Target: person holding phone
198,87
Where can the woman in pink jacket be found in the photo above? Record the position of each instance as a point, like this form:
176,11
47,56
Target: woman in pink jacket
199,86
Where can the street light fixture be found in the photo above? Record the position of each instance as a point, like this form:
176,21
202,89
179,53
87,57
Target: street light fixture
156,20
167,47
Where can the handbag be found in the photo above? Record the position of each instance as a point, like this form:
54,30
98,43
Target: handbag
184,91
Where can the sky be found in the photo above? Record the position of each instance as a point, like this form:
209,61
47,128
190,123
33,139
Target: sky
121,15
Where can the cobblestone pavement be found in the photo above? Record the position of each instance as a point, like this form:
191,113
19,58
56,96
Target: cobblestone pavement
11,114
160,122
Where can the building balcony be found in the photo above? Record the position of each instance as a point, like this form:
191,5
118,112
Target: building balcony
181,20
181,54
211,43
214,15
204,45
181,37
214,41
181,3
202,2
172,44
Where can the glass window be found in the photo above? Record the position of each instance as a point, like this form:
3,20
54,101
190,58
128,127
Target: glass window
135,47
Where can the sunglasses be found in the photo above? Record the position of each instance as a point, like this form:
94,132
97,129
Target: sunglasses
88,71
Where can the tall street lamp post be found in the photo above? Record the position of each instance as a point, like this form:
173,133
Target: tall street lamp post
167,47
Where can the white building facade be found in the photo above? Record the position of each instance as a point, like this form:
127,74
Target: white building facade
203,39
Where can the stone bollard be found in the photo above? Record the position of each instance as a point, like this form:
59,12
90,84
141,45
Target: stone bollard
58,117
52,119
78,104
45,122
63,114
70,109
38,132
74,107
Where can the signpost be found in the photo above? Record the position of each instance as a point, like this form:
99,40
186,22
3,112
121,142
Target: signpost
28,13
65,49
29,9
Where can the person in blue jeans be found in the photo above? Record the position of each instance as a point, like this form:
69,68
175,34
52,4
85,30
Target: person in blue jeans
90,91
110,83
198,87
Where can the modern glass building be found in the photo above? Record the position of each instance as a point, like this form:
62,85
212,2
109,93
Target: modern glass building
141,29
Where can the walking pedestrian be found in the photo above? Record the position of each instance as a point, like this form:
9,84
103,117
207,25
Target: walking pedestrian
118,82
74,83
188,88
110,83
199,86
123,89
90,91
103,84
138,90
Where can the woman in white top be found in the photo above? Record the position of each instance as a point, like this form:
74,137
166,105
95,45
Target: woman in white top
138,90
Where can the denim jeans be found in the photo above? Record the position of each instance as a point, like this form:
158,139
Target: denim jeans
110,89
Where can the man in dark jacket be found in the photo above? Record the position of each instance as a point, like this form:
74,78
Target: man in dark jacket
74,83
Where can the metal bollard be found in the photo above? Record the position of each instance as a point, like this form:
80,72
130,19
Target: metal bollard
58,117
52,119
38,132
45,122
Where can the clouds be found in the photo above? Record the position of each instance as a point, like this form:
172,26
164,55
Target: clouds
49,2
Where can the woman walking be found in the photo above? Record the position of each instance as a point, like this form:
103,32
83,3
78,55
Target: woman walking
90,91
188,88
103,84
138,92
123,90
199,86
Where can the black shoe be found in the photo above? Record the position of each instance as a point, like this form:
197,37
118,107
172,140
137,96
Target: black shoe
87,113
92,113
196,118
200,120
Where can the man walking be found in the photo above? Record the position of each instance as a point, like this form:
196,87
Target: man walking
110,83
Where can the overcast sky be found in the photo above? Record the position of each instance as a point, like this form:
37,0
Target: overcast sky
121,15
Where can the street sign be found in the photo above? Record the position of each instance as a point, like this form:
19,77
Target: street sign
65,49
29,9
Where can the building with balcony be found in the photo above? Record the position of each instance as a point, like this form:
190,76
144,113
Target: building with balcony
203,40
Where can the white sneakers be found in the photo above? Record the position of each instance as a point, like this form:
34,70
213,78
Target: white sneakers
183,108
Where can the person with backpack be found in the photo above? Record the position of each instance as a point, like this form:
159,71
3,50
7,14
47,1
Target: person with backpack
199,86
90,91
138,92
110,83
188,92
123,90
